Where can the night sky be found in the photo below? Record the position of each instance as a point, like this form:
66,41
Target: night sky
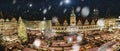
37,9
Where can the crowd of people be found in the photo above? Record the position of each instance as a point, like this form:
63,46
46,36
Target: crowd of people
62,41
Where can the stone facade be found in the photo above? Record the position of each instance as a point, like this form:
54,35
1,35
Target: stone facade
110,22
8,27
73,22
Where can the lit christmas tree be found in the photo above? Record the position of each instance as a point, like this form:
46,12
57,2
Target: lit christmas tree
22,30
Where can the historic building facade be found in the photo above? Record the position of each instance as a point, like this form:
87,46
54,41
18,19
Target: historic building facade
73,22
8,27
110,22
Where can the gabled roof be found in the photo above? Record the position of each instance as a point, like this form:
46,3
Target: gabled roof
93,22
82,19
65,23
79,22
86,22
13,19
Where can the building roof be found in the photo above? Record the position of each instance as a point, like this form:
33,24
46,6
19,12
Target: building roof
82,19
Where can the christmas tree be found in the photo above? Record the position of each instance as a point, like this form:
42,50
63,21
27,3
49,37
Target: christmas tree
22,30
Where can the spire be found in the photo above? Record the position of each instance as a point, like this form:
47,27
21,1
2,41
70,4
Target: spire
72,12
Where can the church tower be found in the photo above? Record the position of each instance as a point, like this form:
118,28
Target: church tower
73,18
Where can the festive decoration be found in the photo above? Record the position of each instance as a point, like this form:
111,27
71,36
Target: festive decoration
37,43
22,30
75,47
49,33
79,38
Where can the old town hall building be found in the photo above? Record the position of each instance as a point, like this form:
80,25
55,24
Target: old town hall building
74,22
7,26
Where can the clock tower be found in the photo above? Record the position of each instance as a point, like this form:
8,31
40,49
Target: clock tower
73,18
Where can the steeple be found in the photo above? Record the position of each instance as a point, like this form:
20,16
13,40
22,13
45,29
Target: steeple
73,12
